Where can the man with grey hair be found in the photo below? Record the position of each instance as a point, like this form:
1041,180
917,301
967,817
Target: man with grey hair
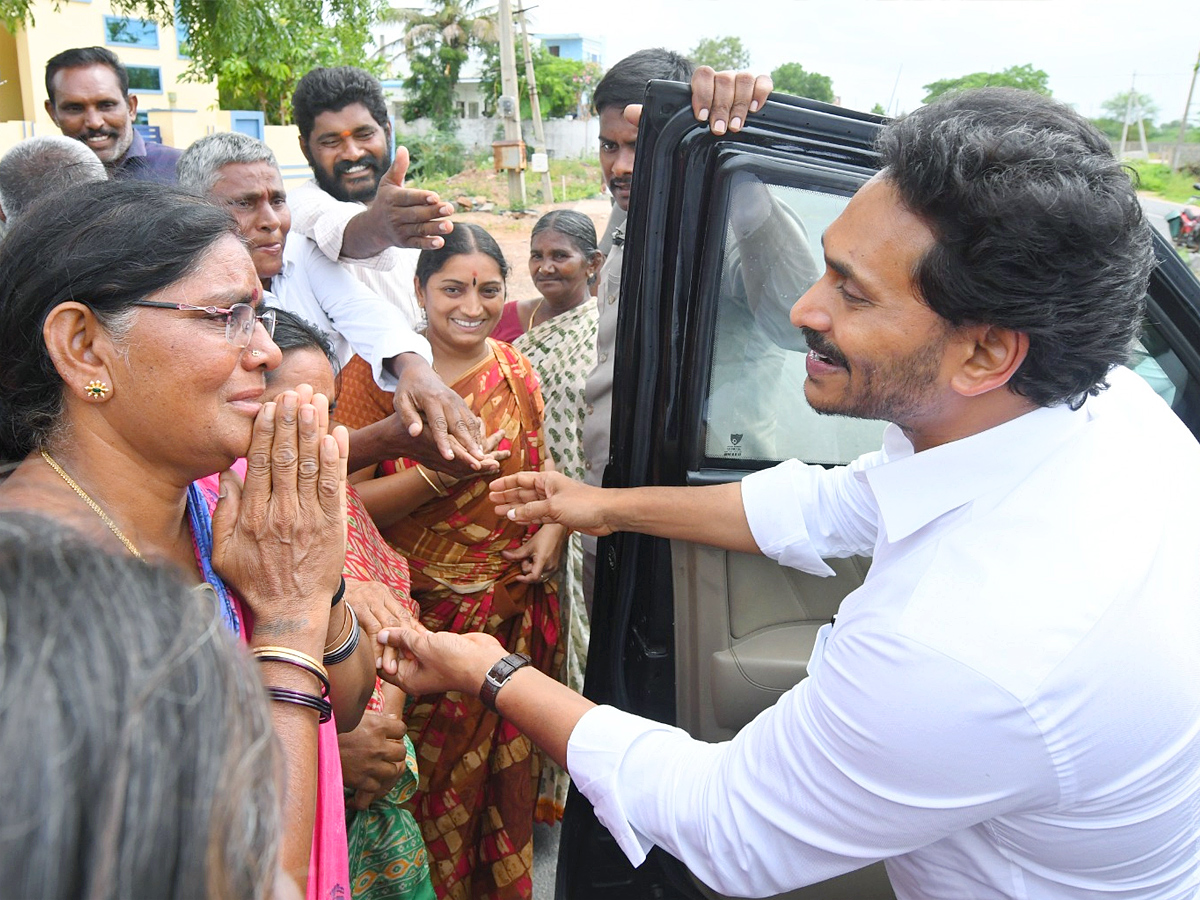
41,165
240,173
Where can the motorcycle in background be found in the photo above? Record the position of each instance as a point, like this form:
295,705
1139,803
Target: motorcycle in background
1185,224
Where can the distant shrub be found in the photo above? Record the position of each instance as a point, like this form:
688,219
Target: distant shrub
437,154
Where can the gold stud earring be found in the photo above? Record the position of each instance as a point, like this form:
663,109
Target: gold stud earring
96,390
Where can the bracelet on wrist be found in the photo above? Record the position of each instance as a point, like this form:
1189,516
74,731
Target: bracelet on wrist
344,650
323,707
339,593
440,492
271,653
343,630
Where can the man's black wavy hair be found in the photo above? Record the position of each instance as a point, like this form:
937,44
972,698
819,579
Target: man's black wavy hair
322,90
1038,230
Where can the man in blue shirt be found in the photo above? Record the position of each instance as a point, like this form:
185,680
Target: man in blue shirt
89,100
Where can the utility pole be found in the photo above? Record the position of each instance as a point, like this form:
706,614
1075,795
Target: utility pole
1187,108
512,115
1129,104
539,133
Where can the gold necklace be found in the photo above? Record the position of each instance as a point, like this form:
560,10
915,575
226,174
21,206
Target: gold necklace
83,495
533,315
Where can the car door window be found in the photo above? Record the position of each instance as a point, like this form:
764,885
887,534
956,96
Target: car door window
755,409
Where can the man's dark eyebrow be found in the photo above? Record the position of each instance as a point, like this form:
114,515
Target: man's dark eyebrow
842,268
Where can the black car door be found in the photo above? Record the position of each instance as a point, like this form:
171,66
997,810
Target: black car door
723,235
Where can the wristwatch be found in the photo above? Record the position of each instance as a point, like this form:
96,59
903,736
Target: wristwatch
498,676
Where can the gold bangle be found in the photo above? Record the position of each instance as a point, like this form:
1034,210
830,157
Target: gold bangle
440,492
274,653
343,632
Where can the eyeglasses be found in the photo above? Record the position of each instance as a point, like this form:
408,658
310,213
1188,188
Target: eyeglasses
239,318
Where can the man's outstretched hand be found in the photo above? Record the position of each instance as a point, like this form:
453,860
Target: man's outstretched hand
422,397
551,498
405,217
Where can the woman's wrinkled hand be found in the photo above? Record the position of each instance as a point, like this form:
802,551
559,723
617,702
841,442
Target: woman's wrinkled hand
491,451
540,554
377,607
373,757
279,539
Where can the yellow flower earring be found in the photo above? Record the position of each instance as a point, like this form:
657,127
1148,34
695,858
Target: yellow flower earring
96,390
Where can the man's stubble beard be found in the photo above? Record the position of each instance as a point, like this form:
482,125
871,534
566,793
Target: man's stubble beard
331,184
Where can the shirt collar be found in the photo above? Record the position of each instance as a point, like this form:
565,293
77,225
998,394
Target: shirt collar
912,489
137,147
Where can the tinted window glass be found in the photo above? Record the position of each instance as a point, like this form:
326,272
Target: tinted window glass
131,32
1162,368
145,78
755,409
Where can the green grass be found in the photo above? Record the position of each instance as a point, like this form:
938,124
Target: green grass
1157,178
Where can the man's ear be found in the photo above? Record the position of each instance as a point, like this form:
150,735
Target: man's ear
131,102
53,113
304,148
992,356
79,347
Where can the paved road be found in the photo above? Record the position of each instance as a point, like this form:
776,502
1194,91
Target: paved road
545,860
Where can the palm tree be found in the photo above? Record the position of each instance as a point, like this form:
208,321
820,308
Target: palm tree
437,41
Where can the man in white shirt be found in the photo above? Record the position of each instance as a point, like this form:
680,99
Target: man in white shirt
356,207
241,173
1009,706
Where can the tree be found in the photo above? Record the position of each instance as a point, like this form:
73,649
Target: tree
791,78
564,85
256,50
1139,105
1025,78
437,44
723,54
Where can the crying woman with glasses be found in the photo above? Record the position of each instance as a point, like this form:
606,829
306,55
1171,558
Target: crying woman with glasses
135,354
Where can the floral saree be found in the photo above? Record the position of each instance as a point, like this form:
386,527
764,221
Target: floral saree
478,773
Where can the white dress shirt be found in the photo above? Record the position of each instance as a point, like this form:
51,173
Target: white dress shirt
322,217
356,319
1009,706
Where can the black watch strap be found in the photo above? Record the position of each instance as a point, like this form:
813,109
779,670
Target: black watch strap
498,676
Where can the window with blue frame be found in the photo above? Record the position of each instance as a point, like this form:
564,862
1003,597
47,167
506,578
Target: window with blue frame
145,78
128,32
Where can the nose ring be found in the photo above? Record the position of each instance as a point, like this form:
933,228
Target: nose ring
256,353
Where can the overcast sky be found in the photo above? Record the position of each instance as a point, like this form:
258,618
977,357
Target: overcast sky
884,51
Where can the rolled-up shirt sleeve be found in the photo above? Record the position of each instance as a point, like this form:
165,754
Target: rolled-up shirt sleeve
324,218
889,748
374,328
800,513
